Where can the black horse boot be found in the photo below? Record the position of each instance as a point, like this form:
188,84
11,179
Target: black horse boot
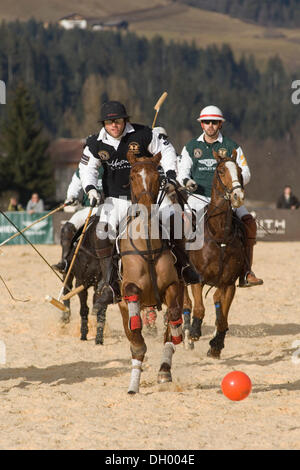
185,269
248,279
67,234
108,287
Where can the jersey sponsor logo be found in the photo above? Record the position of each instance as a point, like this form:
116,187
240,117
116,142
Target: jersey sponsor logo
198,153
103,154
134,147
208,162
223,153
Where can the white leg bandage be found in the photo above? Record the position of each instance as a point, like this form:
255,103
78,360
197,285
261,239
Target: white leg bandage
135,376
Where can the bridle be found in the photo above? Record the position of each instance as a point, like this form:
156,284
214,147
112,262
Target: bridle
149,255
227,192
135,199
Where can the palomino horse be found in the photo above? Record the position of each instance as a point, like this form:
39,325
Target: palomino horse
149,276
221,259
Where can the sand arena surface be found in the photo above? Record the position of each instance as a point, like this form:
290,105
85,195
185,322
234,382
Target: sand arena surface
58,392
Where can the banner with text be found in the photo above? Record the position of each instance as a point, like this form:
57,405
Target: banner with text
40,233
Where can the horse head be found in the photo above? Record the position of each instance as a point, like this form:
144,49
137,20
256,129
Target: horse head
144,178
229,178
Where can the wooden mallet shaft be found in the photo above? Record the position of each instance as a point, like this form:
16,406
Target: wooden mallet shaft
158,106
73,292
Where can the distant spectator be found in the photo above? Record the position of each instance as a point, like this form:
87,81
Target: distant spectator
13,205
35,204
287,200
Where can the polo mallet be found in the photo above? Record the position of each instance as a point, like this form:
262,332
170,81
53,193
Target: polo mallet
158,106
33,223
56,302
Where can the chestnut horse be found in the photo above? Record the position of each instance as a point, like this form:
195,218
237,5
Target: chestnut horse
149,276
221,260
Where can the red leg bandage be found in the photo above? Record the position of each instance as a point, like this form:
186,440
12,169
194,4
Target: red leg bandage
135,321
176,331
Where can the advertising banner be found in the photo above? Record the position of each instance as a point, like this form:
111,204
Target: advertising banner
40,233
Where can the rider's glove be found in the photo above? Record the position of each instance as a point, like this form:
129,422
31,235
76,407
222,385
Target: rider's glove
71,201
171,183
191,185
94,197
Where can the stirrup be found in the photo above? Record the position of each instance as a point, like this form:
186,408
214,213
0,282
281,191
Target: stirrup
115,293
245,283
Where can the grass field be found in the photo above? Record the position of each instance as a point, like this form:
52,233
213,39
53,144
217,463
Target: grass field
174,22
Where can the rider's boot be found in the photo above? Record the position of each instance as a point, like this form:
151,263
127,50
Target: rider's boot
248,279
185,268
66,236
109,286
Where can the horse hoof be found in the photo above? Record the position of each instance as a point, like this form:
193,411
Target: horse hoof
164,377
214,353
98,340
195,337
83,338
131,392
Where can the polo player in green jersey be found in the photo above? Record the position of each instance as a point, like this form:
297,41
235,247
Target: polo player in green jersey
196,170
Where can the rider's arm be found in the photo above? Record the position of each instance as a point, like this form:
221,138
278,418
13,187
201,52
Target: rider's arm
75,187
242,163
89,166
160,143
185,164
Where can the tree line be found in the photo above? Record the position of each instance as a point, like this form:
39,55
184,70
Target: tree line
276,13
68,74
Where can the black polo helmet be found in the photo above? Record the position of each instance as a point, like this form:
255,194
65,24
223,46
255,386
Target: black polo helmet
113,110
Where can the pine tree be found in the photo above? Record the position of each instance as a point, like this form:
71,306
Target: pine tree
24,165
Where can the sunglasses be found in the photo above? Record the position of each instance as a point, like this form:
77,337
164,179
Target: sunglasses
116,121
214,122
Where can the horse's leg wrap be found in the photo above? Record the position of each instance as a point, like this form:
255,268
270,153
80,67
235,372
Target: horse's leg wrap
176,331
164,374
135,321
168,352
135,377
186,319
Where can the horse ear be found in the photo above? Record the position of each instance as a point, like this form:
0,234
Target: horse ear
216,156
131,157
156,158
234,155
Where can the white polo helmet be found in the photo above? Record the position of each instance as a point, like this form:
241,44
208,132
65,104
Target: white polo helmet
211,112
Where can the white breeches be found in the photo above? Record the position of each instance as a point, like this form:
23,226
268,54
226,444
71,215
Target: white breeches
79,217
113,211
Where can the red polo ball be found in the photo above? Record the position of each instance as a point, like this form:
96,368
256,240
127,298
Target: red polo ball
236,385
